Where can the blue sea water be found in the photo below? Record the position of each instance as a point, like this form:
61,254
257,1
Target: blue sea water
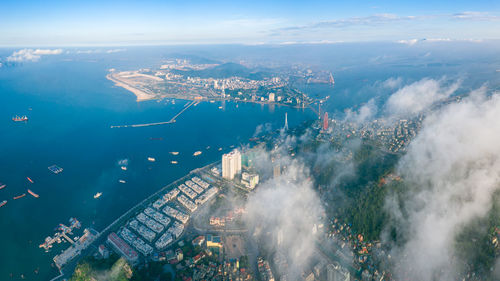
72,107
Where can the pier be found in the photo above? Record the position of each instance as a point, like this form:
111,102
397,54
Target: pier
172,120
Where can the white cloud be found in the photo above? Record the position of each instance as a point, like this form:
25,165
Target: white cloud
408,42
392,83
452,170
32,54
100,51
365,113
419,96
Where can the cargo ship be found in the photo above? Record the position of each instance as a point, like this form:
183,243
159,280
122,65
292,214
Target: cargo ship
197,153
20,118
2,186
30,179
33,194
3,203
20,196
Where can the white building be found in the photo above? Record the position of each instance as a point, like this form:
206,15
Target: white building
249,180
335,272
231,164
271,97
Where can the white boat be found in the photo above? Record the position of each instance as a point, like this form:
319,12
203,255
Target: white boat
173,162
174,153
122,181
197,153
151,159
97,195
123,168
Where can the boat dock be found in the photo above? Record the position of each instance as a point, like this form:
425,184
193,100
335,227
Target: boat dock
62,233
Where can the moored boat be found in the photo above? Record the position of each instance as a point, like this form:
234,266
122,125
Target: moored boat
3,203
33,194
19,196
18,118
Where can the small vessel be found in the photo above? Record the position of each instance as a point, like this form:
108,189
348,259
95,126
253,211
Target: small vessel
97,195
197,153
33,194
2,186
30,179
122,181
173,162
3,203
123,168
174,153
19,196
151,159
18,118
220,148
220,107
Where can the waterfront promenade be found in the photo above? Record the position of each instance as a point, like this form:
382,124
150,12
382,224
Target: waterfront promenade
100,238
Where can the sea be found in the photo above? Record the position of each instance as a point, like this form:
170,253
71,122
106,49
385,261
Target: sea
71,106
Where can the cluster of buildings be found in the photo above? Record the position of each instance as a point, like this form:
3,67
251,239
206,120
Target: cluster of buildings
200,262
161,222
229,217
394,136
264,270
355,250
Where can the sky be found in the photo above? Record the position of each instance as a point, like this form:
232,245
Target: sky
31,23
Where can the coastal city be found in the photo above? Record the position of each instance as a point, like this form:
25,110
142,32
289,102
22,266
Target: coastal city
184,226
183,79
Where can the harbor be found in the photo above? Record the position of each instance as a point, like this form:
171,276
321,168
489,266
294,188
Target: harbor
150,226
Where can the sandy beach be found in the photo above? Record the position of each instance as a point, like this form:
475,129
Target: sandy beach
140,95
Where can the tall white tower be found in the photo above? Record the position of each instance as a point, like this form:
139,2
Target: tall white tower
286,122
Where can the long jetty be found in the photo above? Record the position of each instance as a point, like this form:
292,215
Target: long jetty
172,120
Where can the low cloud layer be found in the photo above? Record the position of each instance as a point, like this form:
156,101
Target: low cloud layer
419,96
283,214
100,51
452,169
32,55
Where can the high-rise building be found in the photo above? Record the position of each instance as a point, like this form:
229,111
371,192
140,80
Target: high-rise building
231,164
276,170
325,121
335,272
271,97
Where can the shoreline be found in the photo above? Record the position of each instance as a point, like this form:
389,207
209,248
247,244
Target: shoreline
116,223
140,95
